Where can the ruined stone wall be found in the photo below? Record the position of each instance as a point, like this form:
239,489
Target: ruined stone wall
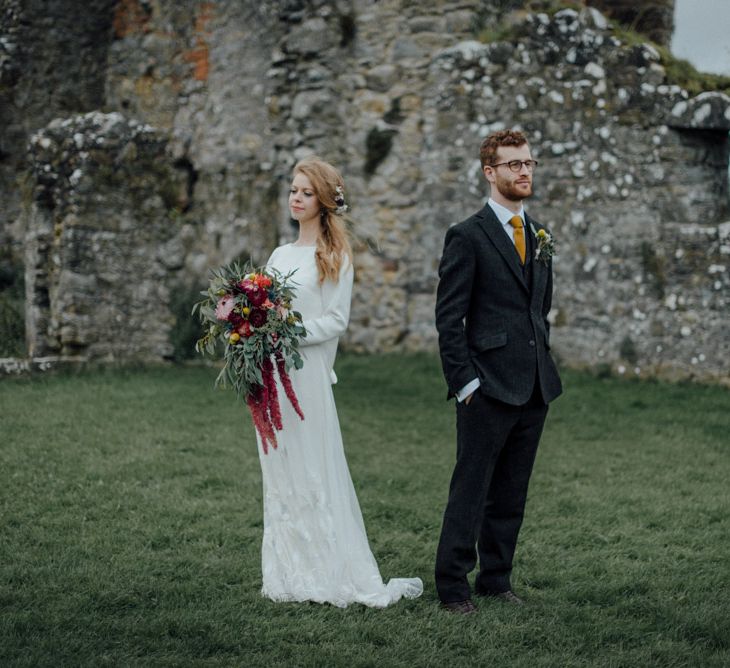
632,181
398,94
53,58
102,240
266,84
197,70
655,18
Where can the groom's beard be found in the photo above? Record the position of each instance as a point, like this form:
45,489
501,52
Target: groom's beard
512,191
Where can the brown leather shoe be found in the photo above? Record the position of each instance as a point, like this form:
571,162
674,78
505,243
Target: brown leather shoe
460,607
507,596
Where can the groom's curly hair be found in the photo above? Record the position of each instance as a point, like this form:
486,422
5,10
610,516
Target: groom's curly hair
489,147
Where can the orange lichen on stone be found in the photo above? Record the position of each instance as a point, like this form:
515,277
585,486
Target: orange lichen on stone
205,14
199,54
129,18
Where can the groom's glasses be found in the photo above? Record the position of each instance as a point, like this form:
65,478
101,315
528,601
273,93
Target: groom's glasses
516,165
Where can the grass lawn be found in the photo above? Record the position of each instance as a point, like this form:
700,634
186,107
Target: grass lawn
130,526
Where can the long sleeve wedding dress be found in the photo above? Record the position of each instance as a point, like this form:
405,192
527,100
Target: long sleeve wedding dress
315,547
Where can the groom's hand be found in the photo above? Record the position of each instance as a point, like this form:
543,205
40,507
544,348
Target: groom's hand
468,399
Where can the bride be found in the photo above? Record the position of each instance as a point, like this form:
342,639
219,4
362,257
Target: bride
315,547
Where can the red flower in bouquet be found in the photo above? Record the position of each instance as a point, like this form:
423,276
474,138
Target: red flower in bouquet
250,313
254,291
263,281
257,318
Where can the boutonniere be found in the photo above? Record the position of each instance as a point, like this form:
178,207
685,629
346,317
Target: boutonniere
545,244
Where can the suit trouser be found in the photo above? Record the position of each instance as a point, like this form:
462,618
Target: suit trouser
495,452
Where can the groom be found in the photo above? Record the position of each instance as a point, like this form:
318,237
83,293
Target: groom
494,295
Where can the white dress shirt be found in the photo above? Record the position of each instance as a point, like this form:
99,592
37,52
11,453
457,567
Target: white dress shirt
503,215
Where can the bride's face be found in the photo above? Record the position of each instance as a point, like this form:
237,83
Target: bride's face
303,203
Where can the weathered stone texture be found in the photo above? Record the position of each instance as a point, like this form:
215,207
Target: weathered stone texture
198,71
101,240
399,94
632,182
654,18
53,57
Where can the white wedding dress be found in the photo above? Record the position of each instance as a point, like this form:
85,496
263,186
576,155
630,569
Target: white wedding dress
315,547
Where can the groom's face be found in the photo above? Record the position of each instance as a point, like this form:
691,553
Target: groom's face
512,186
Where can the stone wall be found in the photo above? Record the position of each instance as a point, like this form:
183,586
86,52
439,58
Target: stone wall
102,240
632,180
197,70
53,57
655,19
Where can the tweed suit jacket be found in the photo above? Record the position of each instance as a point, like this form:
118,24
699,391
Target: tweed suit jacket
491,324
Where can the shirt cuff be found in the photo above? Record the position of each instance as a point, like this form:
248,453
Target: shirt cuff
465,391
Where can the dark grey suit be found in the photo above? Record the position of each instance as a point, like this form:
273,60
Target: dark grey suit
491,316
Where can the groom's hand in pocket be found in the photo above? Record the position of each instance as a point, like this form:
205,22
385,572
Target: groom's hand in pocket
467,401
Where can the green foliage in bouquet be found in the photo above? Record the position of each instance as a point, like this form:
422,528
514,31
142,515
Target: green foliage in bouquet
249,310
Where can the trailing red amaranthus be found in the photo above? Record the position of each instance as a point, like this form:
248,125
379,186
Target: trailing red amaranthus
267,372
286,382
257,407
263,402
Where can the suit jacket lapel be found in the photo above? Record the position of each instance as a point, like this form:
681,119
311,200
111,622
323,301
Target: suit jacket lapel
489,222
539,268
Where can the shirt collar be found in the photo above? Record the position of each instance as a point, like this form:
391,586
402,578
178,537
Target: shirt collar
503,214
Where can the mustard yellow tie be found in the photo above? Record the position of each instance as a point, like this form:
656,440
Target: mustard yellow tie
519,232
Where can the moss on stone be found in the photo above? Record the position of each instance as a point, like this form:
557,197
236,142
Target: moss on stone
653,18
507,27
678,71
498,33
684,74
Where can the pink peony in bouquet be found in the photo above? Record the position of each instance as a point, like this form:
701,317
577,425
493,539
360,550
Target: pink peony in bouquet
249,312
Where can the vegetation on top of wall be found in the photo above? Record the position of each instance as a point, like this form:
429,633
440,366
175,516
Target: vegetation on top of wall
678,71
513,12
502,32
686,75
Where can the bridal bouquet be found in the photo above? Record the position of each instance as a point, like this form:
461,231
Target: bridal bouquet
249,312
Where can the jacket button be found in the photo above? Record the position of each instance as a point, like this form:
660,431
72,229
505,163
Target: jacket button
532,343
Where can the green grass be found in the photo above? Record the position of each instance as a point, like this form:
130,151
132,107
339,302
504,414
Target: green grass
130,528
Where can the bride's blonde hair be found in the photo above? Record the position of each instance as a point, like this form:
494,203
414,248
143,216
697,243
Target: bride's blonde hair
333,244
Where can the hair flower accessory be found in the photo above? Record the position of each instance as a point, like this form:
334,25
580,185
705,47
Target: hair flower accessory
545,244
340,201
